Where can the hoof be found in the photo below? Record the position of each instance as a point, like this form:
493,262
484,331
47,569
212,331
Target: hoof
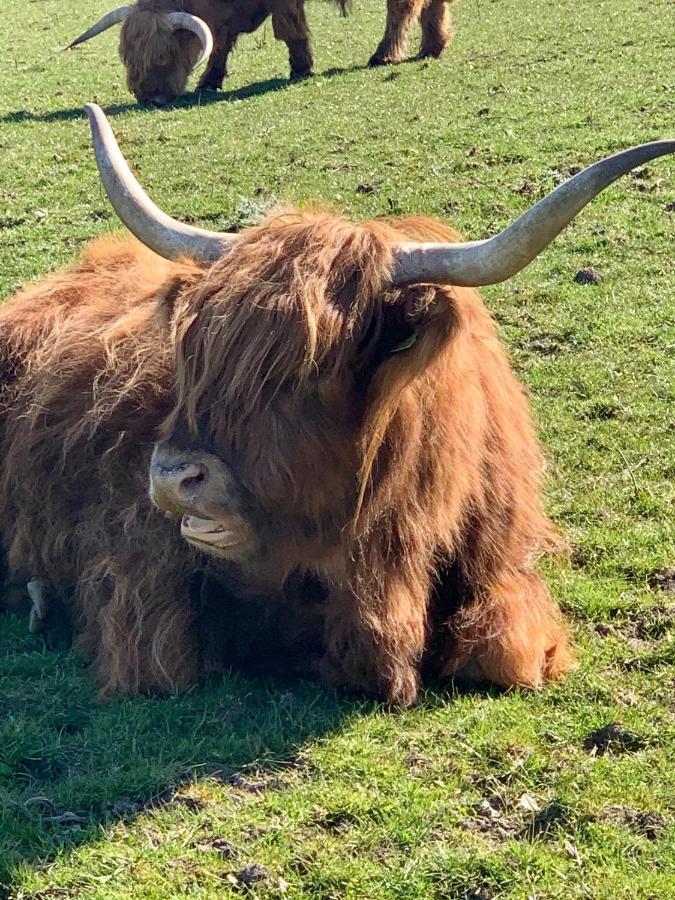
430,53
210,84
37,591
376,60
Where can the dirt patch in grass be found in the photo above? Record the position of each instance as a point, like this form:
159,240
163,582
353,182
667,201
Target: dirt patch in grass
663,580
251,874
550,818
648,824
219,845
642,627
335,820
589,275
489,819
612,738
526,820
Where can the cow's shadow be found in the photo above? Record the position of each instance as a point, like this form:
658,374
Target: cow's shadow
72,764
185,101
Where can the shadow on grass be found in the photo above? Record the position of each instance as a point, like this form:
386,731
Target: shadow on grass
186,101
70,763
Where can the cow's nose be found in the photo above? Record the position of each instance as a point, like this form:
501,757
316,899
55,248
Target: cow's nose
177,486
153,98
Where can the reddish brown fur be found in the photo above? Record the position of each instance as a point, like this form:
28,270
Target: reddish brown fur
434,17
408,481
90,375
158,60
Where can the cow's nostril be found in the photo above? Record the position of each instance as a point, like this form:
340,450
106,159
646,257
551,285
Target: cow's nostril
176,486
191,484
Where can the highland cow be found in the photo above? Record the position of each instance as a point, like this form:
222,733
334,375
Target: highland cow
163,41
314,415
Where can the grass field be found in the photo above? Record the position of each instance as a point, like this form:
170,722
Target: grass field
269,789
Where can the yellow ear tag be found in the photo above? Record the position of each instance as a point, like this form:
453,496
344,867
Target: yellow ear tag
405,344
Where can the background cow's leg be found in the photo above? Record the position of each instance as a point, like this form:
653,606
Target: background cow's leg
510,634
290,25
436,28
375,645
216,70
400,16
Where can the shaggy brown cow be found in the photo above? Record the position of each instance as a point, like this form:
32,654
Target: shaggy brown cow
163,41
311,396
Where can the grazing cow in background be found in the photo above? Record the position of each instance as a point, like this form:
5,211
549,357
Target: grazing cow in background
327,423
434,17
163,41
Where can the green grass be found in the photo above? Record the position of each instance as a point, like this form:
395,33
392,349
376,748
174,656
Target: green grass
337,799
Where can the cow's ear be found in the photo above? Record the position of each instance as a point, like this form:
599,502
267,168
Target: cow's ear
411,324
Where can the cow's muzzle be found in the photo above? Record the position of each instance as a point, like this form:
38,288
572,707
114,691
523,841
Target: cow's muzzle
199,487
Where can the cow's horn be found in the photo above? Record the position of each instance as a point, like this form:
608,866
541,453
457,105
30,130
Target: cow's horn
166,236
114,17
197,26
499,257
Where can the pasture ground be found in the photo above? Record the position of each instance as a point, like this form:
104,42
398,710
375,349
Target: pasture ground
266,789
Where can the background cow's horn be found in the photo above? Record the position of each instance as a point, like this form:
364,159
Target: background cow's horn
198,27
498,258
114,17
166,236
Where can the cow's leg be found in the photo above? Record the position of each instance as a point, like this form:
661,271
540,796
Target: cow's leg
401,14
436,28
290,26
216,70
510,634
375,644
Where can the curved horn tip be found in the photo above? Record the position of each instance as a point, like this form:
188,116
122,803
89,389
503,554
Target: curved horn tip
113,17
197,26
73,44
490,261
93,111
164,235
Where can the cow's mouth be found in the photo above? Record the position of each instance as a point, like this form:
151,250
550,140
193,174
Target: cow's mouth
219,538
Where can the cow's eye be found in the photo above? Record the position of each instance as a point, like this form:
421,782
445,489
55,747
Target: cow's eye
405,344
392,335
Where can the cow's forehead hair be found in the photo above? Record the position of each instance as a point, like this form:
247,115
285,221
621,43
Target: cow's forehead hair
314,260
145,38
287,303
